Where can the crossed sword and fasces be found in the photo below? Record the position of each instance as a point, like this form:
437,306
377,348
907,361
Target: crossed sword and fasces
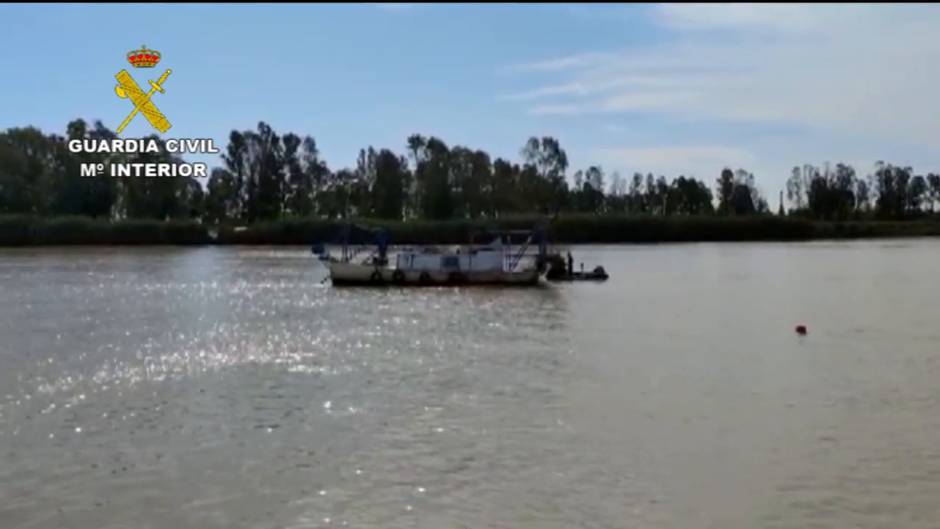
128,88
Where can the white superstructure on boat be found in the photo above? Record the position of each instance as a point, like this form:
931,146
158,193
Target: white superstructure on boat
490,264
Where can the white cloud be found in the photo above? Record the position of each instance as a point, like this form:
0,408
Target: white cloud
395,6
565,63
780,17
630,101
550,110
860,70
600,83
575,88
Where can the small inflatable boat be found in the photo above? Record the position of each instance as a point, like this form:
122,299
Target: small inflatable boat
598,274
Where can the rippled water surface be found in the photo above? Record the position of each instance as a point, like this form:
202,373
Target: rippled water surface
228,387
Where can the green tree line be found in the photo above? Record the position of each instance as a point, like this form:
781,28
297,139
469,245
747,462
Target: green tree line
837,193
266,176
40,176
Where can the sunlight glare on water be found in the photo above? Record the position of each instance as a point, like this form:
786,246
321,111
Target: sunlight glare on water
229,387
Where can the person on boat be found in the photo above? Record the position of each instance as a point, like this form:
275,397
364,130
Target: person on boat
382,240
570,265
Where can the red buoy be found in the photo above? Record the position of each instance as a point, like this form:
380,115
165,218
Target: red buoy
801,329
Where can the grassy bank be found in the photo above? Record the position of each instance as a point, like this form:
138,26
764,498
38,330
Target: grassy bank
594,229
23,230
37,231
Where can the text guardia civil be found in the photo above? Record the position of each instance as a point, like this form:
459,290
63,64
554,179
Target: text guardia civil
144,145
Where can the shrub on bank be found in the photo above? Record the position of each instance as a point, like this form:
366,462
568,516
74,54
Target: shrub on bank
22,230
19,230
565,229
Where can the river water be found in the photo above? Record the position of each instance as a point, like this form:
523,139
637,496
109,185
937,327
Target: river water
228,387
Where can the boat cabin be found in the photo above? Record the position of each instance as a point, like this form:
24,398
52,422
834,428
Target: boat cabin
480,259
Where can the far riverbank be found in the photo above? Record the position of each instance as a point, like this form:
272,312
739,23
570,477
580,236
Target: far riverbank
573,229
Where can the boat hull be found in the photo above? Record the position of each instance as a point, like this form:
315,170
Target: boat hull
350,274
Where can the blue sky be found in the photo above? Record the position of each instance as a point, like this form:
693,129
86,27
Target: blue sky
669,89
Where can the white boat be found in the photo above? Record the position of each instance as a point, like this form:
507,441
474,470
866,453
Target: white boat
490,264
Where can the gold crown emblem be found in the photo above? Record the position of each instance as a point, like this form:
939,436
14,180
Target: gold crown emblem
143,58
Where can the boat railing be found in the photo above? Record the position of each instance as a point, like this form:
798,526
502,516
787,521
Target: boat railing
518,256
358,251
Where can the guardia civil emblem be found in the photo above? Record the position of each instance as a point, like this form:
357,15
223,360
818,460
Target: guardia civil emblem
127,88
